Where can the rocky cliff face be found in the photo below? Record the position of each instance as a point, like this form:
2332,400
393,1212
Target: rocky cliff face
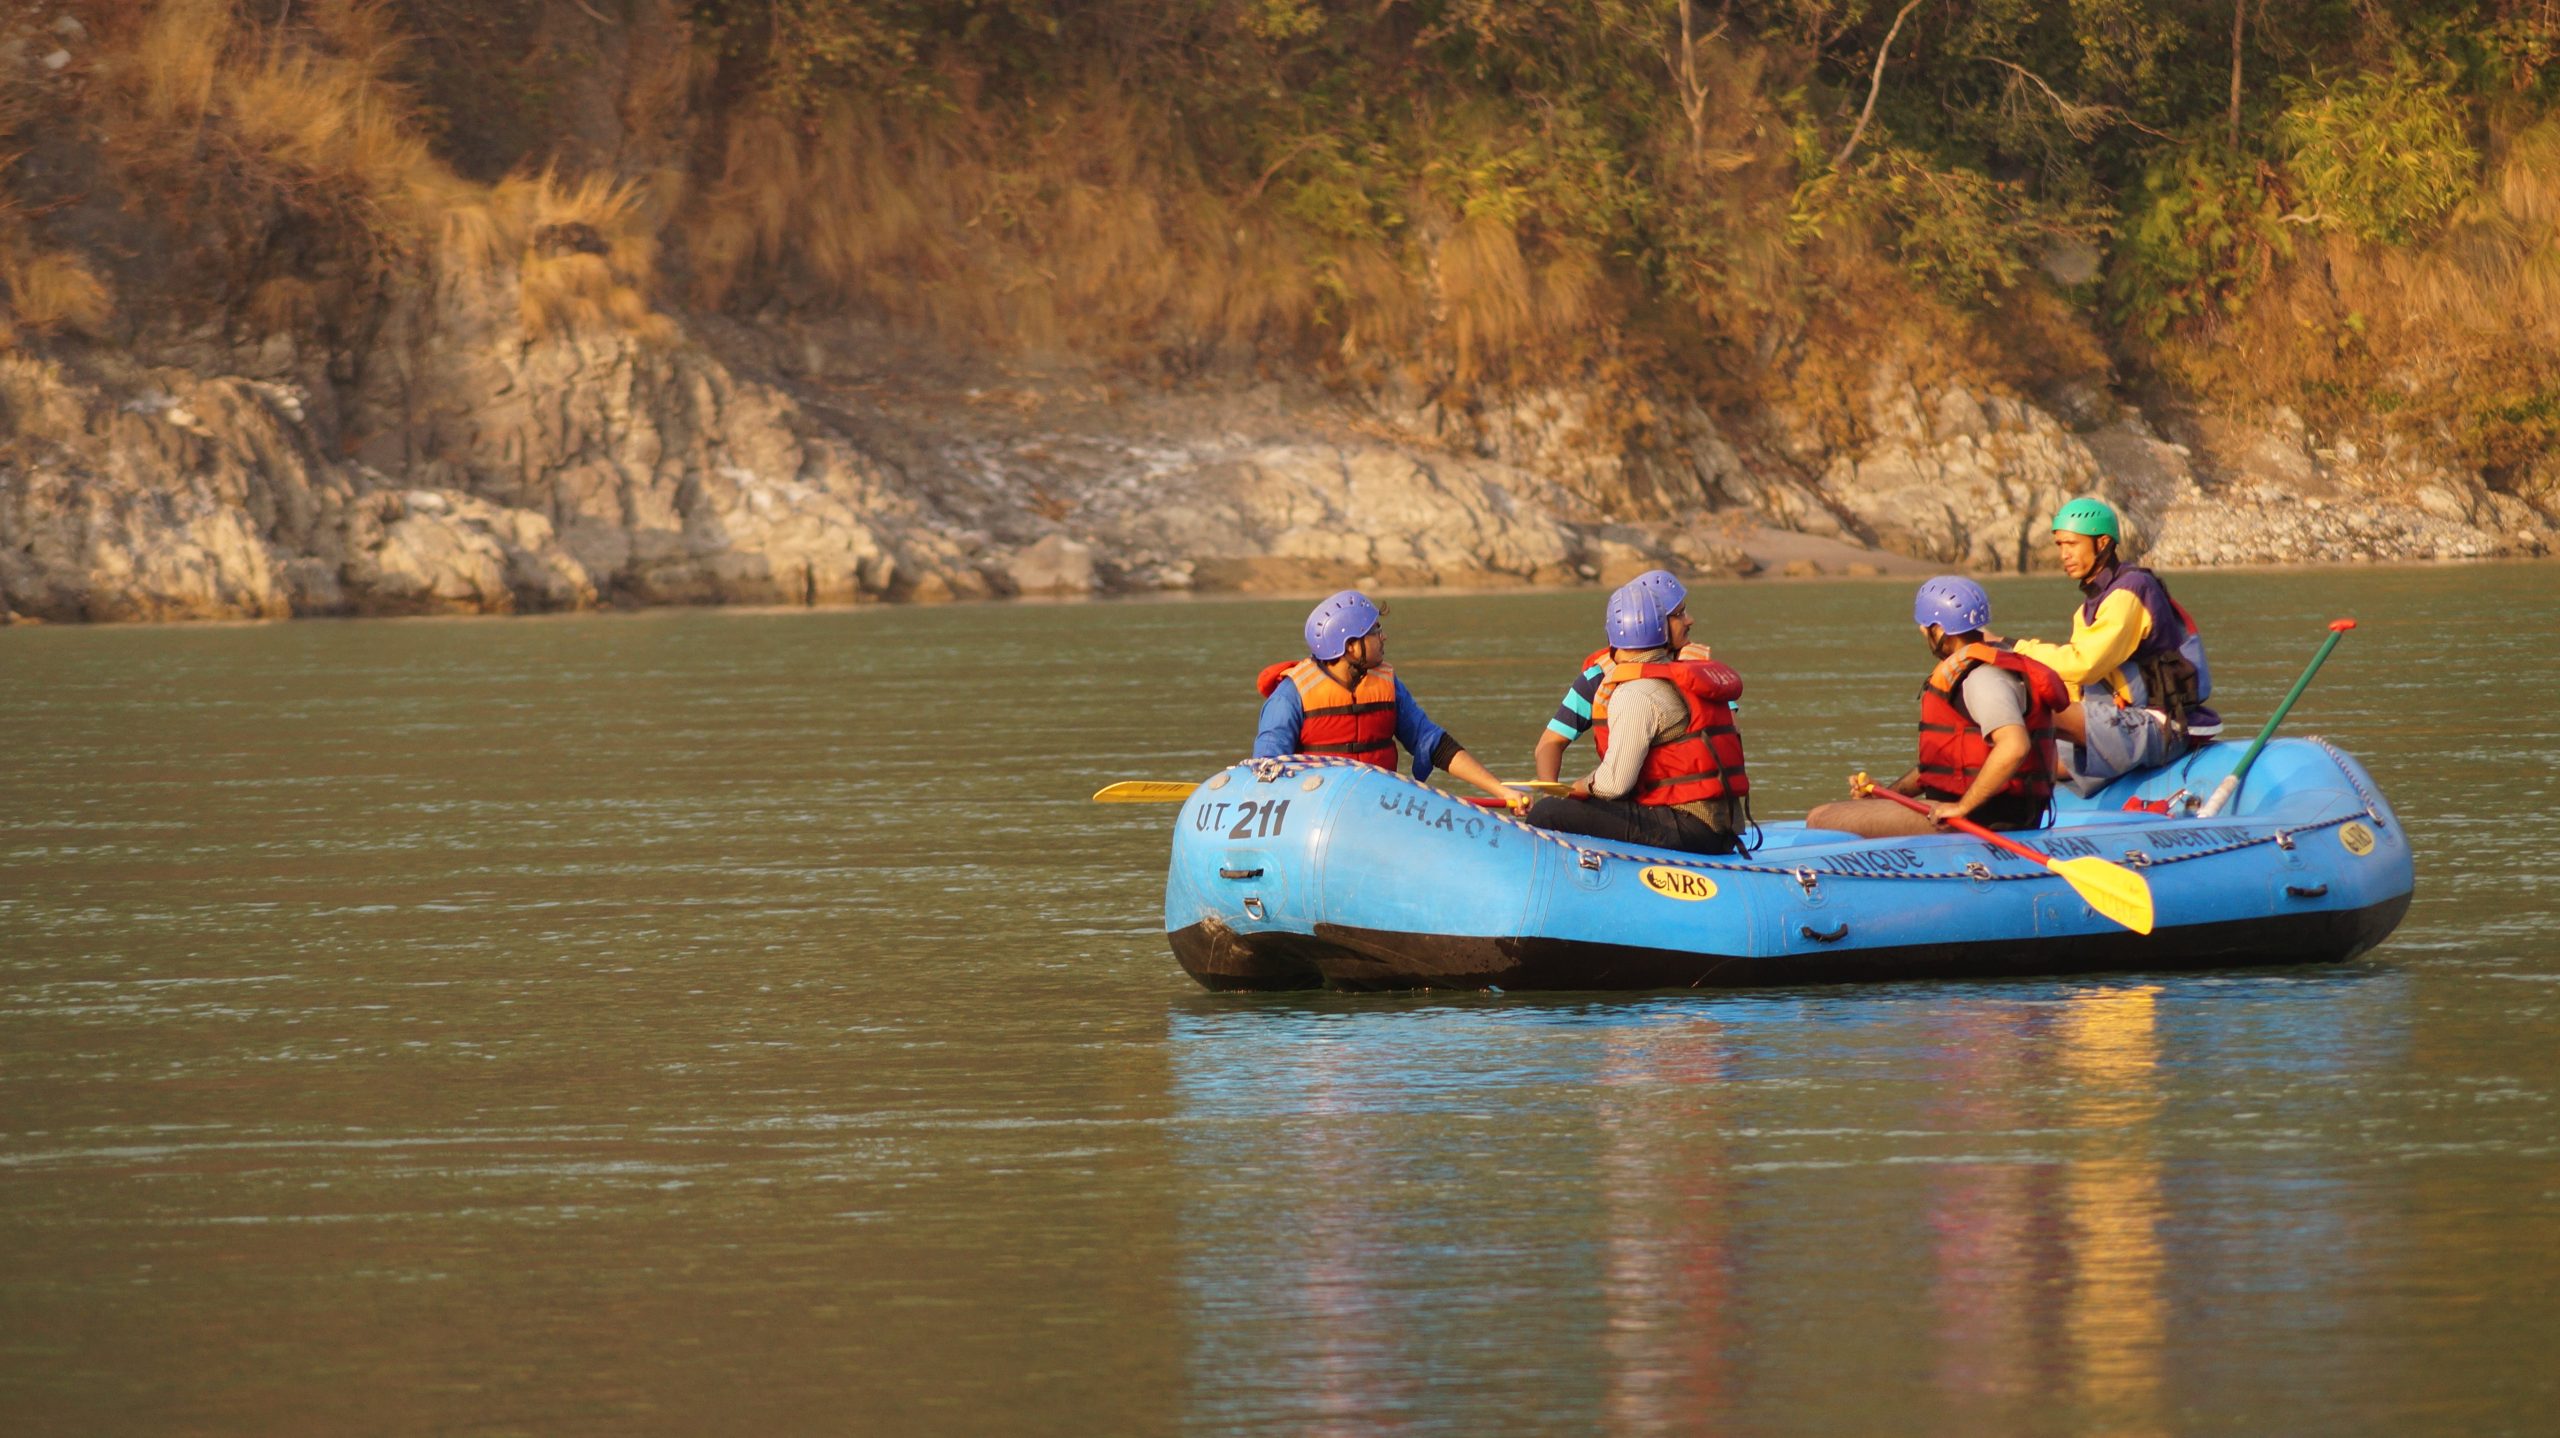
464,469
465,473
471,472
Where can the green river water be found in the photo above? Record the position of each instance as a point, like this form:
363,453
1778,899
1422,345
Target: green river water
739,1023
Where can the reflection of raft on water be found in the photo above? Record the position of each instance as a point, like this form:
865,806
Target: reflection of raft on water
1301,872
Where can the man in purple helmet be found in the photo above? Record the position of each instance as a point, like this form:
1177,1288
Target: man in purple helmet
1671,766
1573,715
1343,700
1986,728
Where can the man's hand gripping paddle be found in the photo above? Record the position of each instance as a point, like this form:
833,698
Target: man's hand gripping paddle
2223,792
2110,888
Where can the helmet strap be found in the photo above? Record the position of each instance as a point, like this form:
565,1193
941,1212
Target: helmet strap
1354,667
2108,561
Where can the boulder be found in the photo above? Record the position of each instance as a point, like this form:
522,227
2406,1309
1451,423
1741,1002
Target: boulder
1055,565
1964,482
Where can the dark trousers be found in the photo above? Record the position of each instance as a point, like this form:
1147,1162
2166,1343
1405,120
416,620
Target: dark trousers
2007,811
1627,822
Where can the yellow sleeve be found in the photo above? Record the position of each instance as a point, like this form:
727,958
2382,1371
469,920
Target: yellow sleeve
2098,647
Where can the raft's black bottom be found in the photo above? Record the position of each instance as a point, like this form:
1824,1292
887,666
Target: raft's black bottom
1342,958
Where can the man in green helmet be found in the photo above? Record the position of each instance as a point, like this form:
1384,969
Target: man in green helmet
2135,661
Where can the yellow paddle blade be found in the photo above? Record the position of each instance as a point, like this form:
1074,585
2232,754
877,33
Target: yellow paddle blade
2111,889
1552,788
1143,791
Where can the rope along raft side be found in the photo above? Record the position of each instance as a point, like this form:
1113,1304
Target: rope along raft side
1289,767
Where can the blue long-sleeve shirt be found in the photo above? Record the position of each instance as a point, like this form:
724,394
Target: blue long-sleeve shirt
1284,713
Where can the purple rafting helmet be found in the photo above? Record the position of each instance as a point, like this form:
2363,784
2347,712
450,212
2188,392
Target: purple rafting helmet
1341,618
1953,603
1638,619
1665,585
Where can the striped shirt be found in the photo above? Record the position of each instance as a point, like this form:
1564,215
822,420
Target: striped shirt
1573,716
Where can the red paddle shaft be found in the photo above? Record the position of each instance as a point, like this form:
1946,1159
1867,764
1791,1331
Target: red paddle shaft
1963,826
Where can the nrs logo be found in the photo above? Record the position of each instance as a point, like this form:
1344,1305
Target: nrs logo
1678,883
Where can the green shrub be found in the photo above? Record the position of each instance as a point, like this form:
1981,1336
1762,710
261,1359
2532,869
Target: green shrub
2510,428
2382,155
1952,229
2204,233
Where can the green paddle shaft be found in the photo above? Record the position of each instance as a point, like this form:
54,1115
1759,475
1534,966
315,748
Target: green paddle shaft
2230,786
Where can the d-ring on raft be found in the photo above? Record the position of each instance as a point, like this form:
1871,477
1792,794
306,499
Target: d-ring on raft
1307,872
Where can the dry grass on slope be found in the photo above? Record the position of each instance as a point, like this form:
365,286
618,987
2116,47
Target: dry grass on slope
2459,334
295,171
583,251
43,289
290,173
1064,232
1079,226
225,128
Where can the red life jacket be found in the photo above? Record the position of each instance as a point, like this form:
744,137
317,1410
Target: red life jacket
1705,762
1358,722
1953,748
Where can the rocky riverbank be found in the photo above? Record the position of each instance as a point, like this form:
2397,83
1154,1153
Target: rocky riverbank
465,470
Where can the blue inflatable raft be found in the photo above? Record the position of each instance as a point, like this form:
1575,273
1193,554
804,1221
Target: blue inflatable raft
1305,872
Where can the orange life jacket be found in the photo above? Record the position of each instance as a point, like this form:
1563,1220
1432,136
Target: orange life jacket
1689,654
1358,722
1953,748
1705,762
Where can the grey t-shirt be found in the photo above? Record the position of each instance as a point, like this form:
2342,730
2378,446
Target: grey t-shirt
1994,697
1651,707
1654,708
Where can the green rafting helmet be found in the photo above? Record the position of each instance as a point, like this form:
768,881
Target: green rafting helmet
2092,517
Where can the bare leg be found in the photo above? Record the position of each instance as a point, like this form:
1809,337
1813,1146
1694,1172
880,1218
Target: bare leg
1870,819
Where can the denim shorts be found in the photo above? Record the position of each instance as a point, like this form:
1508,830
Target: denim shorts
2121,740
